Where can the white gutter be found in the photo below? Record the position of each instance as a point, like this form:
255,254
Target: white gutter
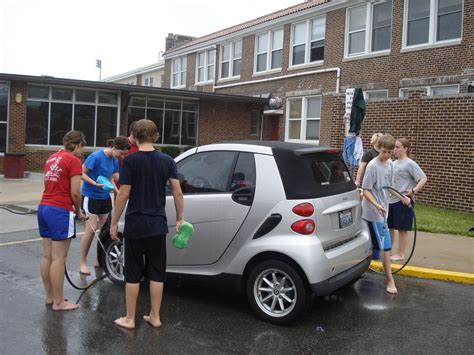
336,69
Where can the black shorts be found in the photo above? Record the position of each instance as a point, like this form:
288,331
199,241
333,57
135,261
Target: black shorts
145,257
97,207
400,217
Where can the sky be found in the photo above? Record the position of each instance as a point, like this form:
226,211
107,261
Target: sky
64,38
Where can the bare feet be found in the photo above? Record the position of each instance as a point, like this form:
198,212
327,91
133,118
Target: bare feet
391,288
49,301
124,323
397,257
83,269
65,306
152,321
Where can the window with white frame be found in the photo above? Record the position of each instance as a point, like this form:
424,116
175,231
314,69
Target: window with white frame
432,21
178,72
150,81
303,119
376,94
146,81
3,116
205,66
230,59
268,50
368,28
53,111
308,41
254,123
162,80
437,90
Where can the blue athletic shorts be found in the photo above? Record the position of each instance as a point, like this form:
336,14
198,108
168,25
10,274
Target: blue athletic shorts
56,223
377,231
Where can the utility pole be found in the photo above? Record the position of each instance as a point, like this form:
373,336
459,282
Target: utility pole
98,64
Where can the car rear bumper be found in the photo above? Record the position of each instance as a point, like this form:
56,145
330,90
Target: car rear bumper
339,280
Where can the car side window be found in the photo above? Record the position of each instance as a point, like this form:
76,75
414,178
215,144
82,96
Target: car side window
206,172
244,172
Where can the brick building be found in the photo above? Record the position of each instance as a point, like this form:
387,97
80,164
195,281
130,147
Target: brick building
36,112
304,58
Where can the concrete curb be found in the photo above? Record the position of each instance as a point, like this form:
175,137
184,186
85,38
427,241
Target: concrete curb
413,271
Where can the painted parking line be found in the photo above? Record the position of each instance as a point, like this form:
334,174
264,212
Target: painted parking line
20,242
27,241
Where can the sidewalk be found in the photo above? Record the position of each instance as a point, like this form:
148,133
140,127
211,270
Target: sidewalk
451,254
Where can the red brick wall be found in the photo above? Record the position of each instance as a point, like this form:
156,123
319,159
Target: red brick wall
17,119
440,130
220,121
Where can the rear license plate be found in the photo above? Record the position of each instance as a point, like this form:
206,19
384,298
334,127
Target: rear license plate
345,218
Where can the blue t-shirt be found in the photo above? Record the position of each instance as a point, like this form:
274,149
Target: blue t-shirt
147,173
98,164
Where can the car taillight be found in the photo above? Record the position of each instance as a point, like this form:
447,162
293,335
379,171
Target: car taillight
304,209
304,226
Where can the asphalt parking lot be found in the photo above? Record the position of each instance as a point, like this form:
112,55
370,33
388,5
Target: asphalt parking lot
426,317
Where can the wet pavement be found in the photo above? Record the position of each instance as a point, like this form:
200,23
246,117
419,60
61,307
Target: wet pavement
426,317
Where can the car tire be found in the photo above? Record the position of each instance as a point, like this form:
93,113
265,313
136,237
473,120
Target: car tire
277,292
112,260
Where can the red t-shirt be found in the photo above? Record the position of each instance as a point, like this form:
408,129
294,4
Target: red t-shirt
133,148
58,170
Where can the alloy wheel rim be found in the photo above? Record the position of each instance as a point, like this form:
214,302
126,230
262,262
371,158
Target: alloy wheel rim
275,292
115,261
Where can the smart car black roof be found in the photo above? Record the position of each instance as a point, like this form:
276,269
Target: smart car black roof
296,148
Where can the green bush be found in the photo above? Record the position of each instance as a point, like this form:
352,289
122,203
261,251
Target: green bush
170,150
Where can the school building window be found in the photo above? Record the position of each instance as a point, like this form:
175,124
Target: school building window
268,51
149,81
230,59
254,123
368,28
432,21
3,117
178,72
308,41
53,111
439,90
176,119
376,94
205,66
303,117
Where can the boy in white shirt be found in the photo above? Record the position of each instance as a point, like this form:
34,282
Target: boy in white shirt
379,175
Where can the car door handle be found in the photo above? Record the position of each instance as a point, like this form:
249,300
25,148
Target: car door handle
243,196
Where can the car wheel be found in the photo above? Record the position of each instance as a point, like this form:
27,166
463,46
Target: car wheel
113,261
277,292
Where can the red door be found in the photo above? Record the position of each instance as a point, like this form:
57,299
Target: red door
275,128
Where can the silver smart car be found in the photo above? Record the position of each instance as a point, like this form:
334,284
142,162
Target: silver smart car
280,220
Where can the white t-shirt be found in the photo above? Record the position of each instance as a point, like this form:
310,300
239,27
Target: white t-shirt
377,175
406,174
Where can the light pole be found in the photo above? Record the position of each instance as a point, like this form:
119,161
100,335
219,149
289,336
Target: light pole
98,64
